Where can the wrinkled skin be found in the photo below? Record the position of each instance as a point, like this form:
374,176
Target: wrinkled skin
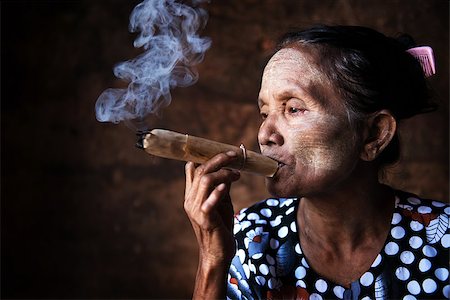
344,215
305,127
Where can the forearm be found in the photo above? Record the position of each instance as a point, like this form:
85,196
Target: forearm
211,281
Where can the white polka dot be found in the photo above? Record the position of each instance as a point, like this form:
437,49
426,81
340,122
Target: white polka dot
366,298
396,218
429,286
424,209
321,285
445,240
297,249
315,296
339,291
252,268
274,243
277,221
272,202
305,263
424,265
242,214
253,216
447,210
438,204
236,228
407,257
413,287
391,248
402,273
260,280
286,202
406,206
272,271
293,227
272,283
301,284
429,251
266,212
415,242
246,270
398,232
446,291
409,297
377,261
257,255
416,226
441,274
261,222
290,210
264,269
245,224
414,201
270,259
366,279
300,273
283,232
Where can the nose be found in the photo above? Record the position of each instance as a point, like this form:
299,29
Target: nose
268,134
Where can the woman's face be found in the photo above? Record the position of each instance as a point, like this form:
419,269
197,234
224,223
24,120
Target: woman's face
305,126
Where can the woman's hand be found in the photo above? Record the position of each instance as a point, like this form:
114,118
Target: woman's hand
209,208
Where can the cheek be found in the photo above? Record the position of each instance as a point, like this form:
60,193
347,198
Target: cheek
324,150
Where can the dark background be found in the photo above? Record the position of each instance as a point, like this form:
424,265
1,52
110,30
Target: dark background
84,214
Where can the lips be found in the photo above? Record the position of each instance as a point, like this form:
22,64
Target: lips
280,161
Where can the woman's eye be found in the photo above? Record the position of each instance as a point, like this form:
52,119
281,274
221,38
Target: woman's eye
295,110
263,115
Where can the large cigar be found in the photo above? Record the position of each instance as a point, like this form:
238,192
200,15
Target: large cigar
174,145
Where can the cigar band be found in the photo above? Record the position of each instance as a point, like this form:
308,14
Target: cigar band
244,155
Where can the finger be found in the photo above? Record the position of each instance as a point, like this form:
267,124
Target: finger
189,171
208,182
214,164
218,161
214,198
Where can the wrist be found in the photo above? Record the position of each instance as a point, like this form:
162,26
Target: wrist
214,262
215,259
211,280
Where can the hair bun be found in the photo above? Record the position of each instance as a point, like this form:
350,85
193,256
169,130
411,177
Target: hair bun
406,41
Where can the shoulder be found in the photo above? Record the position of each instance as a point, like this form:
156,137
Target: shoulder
423,218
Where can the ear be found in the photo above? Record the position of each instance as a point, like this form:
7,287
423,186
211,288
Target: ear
380,129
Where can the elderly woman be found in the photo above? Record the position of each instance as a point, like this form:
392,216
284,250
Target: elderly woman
331,100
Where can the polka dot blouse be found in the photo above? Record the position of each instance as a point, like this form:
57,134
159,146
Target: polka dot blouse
413,264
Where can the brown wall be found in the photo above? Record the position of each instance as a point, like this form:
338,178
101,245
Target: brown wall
87,215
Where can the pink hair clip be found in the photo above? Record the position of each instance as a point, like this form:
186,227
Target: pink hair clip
425,57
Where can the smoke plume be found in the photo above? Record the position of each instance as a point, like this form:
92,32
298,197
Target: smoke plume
168,34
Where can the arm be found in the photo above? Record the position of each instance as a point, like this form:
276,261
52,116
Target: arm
208,206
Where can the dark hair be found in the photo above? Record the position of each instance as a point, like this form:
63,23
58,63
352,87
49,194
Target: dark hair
371,72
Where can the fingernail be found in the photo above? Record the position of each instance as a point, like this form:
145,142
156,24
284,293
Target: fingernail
231,153
221,187
236,172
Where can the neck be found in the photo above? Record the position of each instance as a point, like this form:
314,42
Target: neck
348,216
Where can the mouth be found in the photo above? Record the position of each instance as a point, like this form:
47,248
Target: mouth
280,163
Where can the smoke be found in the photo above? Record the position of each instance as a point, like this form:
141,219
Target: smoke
168,34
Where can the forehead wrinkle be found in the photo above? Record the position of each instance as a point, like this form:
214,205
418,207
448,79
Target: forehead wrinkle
299,62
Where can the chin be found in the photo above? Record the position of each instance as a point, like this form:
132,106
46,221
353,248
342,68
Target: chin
279,189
